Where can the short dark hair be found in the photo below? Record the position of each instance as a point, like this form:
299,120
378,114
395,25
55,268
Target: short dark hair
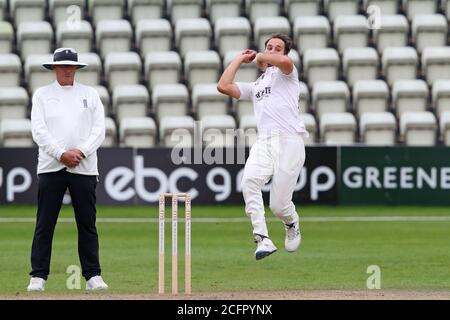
287,41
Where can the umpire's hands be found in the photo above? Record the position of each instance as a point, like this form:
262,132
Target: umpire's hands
72,158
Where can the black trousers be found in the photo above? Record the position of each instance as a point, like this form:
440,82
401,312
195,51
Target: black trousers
51,189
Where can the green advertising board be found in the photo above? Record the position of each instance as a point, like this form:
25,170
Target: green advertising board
394,175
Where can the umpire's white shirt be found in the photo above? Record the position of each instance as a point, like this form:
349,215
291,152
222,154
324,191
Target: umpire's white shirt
67,117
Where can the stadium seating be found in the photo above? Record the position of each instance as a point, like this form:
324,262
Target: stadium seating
248,72
399,63
67,11
10,69
370,96
90,75
330,97
301,8
207,101
183,9
100,10
334,8
170,100
110,133
266,26
113,36
175,50
26,10
105,99
248,132
311,127
242,108
311,32
139,10
192,34
429,31
130,101
13,103
295,57
3,9
304,98
393,32
360,64
445,128
80,37
378,128
387,7
321,65
338,128
436,64
162,68
6,37
416,7
122,68
153,35
216,9
201,67
441,97
137,132
34,37
218,131
409,95
231,34
261,8
176,131
418,128
35,74
16,133
350,31
446,8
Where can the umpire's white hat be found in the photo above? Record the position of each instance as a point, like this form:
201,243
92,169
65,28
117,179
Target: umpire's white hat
64,56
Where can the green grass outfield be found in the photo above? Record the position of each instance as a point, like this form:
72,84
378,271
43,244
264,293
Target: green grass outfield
413,254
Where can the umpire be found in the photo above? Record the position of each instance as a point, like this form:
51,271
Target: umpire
68,125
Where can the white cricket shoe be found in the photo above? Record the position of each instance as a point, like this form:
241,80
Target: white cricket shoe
293,236
36,284
96,283
264,247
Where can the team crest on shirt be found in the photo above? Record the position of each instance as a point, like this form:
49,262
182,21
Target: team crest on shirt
263,93
85,104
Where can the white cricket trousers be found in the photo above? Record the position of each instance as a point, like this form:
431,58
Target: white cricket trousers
280,158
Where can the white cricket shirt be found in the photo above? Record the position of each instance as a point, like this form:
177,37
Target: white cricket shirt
275,100
67,117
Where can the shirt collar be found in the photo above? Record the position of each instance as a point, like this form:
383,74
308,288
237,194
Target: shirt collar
60,87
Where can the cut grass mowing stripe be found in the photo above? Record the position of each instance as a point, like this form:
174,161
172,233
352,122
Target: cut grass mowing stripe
239,220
